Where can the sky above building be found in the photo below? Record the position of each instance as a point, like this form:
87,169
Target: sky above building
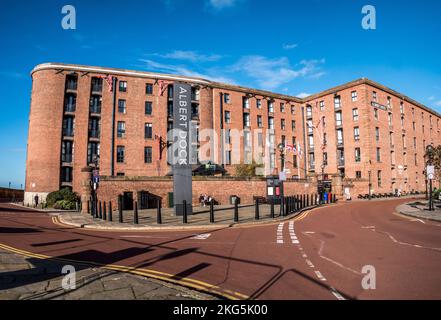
290,47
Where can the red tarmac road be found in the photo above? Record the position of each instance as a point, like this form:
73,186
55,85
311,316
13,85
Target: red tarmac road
321,257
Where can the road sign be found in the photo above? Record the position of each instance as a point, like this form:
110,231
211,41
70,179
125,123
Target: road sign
282,176
430,172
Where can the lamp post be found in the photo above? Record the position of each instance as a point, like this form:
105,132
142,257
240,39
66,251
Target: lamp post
370,185
94,182
429,175
322,190
281,148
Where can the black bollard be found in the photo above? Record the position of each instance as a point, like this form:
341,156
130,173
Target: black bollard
110,211
104,211
135,213
158,211
120,209
256,210
286,213
100,210
184,216
335,198
304,202
272,209
212,211
236,210
88,206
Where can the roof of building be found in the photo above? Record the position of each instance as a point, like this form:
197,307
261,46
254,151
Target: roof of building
205,82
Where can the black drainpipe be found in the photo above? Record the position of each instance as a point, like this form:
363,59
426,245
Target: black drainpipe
112,162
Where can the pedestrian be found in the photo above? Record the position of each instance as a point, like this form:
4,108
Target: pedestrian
36,200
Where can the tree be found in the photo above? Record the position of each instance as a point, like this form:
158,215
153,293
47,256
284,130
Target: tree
433,157
247,170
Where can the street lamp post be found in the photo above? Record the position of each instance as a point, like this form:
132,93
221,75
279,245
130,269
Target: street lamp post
322,191
281,148
94,184
429,150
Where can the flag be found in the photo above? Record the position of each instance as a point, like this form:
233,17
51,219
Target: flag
163,86
299,150
109,80
290,147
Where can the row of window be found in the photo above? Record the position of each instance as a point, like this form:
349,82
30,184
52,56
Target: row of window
270,104
121,154
247,121
121,130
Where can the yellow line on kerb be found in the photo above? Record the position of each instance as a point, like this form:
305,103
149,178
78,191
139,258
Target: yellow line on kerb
186,282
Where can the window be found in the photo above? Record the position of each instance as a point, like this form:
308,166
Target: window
310,127
270,106
414,142
293,109
270,123
228,157
325,158
392,158
68,126
227,117
413,125
148,155
282,124
245,103
340,137
246,120
374,95
354,96
294,161
391,139
148,131
71,82
66,174
259,104
227,99
148,108
149,88
120,174
402,107
123,86
259,121
122,106
97,85
93,149
377,134
228,136
416,159
260,139
309,112
293,125
282,107
357,154
311,142
121,133
389,102
195,94
355,114
356,133
379,178
357,174
376,114
311,160
322,105
402,122
66,151
338,119
389,119
70,102
337,102
95,104
378,155
120,153
272,160
94,127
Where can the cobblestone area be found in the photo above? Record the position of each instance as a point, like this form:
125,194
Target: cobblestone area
33,279
419,209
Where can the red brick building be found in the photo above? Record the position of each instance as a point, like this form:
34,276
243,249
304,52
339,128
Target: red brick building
355,131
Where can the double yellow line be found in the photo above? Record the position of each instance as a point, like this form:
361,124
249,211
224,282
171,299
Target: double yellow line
186,282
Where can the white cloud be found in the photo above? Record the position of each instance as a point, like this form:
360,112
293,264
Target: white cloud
431,98
303,95
438,103
290,46
192,56
272,73
183,71
221,4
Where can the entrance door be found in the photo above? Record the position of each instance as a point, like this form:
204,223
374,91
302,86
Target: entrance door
128,201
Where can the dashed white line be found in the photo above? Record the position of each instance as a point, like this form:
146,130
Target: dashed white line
319,275
280,233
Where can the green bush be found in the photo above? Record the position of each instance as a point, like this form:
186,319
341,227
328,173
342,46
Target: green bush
63,199
436,193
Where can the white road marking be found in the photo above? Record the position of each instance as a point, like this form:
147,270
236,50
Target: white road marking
337,294
280,233
203,236
319,275
309,263
418,220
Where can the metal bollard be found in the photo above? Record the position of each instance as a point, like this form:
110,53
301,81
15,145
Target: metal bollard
120,209
272,209
100,210
307,200
256,210
135,213
212,211
158,211
88,206
236,211
104,211
304,201
110,211
286,213
335,198
184,216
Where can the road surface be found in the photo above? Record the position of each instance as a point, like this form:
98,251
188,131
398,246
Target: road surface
318,255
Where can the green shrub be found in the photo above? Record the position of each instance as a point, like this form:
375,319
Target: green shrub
63,199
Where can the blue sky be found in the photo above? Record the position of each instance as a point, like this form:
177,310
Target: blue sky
293,47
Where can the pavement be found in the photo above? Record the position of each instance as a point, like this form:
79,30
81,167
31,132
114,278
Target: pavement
224,218
419,209
35,279
320,254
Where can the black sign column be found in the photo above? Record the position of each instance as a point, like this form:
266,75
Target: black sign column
182,173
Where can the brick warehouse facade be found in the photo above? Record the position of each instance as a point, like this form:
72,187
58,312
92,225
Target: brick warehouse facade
365,132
